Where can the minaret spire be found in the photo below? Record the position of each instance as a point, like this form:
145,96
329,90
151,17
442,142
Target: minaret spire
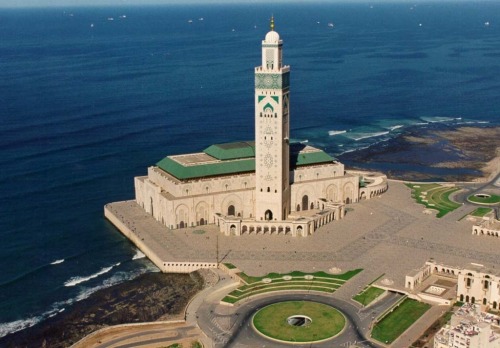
272,132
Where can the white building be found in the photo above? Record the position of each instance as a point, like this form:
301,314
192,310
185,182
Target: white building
475,284
487,227
263,186
469,328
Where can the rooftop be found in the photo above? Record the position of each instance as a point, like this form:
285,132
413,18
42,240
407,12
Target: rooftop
233,158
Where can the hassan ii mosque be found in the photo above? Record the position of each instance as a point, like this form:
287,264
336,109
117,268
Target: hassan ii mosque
265,186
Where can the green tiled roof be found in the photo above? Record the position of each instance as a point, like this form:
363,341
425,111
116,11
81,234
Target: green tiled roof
231,150
303,159
236,158
203,170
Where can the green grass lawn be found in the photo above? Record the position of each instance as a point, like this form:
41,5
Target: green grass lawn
480,212
272,321
401,318
321,281
368,295
492,199
345,276
434,196
229,265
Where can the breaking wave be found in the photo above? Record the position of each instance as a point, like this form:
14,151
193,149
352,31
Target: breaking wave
138,255
77,280
56,262
336,132
395,127
369,135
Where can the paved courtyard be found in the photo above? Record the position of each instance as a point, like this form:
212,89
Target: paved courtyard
390,234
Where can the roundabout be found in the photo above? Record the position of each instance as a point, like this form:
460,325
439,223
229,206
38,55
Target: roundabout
484,199
298,321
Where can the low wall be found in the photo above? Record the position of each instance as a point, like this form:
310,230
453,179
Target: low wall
166,266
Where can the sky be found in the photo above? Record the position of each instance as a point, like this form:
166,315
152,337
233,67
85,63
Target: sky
53,3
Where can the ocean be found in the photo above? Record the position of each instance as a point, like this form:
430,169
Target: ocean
90,97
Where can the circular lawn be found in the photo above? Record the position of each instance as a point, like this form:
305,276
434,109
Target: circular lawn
484,198
273,321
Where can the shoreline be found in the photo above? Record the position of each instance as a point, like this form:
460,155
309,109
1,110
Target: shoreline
446,153
151,297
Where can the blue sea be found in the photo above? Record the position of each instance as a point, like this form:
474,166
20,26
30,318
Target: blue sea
90,97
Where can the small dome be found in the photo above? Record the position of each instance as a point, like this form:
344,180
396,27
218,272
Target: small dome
272,37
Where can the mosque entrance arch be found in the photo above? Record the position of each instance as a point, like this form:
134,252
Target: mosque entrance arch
305,202
231,210
268,216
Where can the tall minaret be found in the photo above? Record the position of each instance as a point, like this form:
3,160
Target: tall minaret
272,132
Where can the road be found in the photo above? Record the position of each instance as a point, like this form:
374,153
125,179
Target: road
231,326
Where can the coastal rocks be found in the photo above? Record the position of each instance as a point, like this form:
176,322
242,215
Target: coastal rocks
150,297
437,153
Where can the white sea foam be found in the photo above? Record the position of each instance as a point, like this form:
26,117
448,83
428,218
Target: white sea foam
138,255
56,262
18,325
437,119
336,132
304,141
59,307
395,127
355,149
77,280
369,135
14,326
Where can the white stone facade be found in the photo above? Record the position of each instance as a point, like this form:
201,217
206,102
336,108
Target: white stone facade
475,284
277,197
487,227
184,203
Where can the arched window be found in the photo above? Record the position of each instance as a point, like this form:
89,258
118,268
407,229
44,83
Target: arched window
305,202
230,210
268,215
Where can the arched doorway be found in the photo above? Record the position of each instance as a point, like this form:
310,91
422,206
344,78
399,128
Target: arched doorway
268,215
182,224
230,210
305,202
202,221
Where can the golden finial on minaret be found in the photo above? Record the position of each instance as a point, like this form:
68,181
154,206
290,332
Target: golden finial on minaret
272,23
